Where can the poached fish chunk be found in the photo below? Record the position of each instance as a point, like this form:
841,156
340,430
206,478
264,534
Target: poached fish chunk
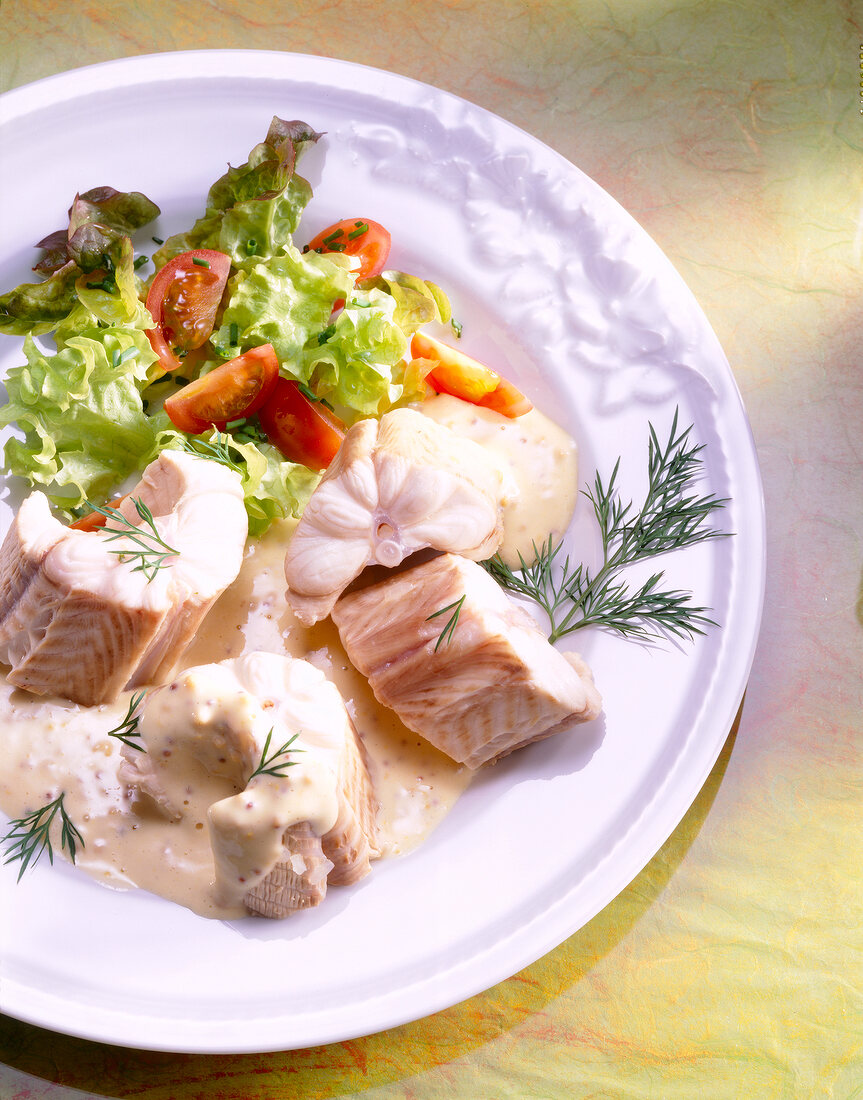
278,731
76,617
477,691
397,485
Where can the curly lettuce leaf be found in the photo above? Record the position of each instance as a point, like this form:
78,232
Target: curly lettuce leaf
286,302
95,219
99,249
361,364
113,299
81,414
38,307
273,487
253,210
418,301
356,360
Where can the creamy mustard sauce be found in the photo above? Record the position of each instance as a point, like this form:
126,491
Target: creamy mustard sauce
540,459
51,745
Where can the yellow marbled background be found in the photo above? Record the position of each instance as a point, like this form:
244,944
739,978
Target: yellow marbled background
731,967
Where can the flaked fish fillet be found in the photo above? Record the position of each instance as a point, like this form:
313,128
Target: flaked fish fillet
397,485
77,620
490,686
306,822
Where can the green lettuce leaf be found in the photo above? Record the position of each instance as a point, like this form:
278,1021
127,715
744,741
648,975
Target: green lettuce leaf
39,307
81,414
89,245
286,302
112,300
361,365
95,219
417,301
356,360
252,210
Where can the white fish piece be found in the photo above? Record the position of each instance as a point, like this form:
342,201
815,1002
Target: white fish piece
397,485
489,685
77,620
302,821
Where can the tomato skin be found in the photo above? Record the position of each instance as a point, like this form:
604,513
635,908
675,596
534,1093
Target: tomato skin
508,400
94,520
371,245
304,431
233,390
450,371
183,301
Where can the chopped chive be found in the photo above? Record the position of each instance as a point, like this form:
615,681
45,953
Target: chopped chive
235,333
337,246
326,334
251,246
362,227
456,327
333,236
158,240
198,262
107,284
122,356
307,392
305,249
140,261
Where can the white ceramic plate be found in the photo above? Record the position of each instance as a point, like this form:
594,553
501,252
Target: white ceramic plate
550,276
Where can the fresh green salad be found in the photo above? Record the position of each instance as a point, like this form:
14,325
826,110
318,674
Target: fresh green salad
242,346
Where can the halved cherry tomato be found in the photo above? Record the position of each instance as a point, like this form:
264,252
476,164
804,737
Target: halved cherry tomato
94,520
450,371
356,237
183,300
304,431
233,390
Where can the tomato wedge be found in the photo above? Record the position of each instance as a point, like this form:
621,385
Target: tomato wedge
359,237
450,371
233,390
94,520
183,300
304,431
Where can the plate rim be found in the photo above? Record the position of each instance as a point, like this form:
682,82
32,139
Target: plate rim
97,78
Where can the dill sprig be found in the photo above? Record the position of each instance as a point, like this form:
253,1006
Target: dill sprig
128,728
448,631
215,449
152,552
272,765
30,835
671,518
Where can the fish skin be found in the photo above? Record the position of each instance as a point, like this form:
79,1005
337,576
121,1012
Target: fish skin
495,686
286,891
64,592
351,844
397,485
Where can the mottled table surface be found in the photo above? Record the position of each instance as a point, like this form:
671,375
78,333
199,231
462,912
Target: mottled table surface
731,966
